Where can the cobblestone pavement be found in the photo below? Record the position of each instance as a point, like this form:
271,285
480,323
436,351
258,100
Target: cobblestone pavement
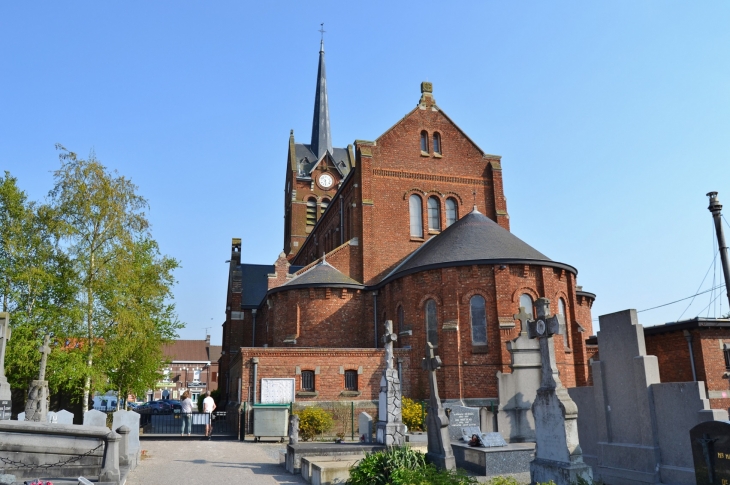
209,462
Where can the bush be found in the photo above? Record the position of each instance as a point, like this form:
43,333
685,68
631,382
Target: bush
313,421
403,466
413,414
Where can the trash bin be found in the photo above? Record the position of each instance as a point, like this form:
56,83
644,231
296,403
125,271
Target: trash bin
270,421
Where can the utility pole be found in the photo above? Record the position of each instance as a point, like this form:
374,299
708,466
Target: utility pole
715,208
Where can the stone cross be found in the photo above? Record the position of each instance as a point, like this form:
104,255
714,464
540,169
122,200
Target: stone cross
523,317
293,429
44,350
558,455
5,332
388,340
439,441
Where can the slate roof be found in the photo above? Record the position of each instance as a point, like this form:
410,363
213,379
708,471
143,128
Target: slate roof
255,282
307,159
473,239
321,275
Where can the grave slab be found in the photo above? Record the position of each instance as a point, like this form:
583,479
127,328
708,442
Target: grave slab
462,417
510,460
94,418
294,453
365,426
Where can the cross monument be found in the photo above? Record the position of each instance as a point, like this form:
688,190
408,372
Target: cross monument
5,398
36,408
558,455
390,430
439,442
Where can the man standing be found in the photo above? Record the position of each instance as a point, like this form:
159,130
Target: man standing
208,408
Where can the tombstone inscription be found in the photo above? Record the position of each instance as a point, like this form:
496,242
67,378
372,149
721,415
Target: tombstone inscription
462,417
711,452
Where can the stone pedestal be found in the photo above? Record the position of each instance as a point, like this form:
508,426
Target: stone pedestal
36,408
390,429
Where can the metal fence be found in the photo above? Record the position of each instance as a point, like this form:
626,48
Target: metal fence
173,423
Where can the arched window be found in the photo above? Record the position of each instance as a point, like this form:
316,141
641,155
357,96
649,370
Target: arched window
325,203
424,141
401,318
478,313
432,334
437,143
563,328
527,303
434,214
351,380
452,212
414,205
311,211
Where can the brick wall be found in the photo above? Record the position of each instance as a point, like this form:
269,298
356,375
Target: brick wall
329,366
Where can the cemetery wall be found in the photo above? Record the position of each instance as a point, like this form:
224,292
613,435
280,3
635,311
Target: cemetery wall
328,365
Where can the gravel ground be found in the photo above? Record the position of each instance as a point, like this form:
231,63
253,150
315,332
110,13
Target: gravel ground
209,462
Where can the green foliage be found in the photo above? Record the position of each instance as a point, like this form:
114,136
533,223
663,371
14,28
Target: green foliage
413,414
403,466
313,421
503,481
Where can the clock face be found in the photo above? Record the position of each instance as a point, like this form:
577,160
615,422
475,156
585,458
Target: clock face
326,180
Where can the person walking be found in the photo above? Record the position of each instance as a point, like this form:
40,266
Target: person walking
208,408
186,409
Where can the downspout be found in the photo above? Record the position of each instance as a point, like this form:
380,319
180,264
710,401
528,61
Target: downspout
342,225
688,336
253,332
715,208
375,316
255,362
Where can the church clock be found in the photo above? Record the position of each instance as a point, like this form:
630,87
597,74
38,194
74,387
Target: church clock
326,181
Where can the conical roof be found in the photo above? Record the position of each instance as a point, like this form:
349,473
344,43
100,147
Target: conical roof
321,136
321,275
473,239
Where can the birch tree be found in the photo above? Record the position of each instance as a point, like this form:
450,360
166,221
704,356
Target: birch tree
99,213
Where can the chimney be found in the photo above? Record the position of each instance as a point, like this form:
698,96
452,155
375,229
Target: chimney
716,208
207,340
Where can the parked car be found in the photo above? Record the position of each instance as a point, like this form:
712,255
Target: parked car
154,407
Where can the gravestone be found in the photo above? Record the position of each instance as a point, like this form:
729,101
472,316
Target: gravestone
365,423
21,416
5,398
462,417
51,417
130,419
293,429
390,429
517,390
64,417
94,418
36,408
558,456
439,441
711,451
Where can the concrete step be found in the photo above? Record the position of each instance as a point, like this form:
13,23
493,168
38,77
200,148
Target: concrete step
307,462
331,472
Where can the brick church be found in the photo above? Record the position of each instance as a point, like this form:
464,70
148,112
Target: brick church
412,227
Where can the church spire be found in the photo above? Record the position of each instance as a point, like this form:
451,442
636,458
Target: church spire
321,137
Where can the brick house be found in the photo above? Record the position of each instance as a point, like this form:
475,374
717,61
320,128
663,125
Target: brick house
193,367
411,227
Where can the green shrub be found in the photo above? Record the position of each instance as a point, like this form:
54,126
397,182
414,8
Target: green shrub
313,421
412,414
402,466
503,481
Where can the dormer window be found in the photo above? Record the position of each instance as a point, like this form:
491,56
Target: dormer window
437,144
424,143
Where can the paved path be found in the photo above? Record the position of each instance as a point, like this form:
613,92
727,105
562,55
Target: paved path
209,462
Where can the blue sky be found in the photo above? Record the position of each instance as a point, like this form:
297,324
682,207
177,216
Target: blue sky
612,119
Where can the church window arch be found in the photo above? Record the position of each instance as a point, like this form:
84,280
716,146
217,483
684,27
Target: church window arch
478,316
432,323
434,214
416,213
452,211
311,211
437,143
527,303
424,142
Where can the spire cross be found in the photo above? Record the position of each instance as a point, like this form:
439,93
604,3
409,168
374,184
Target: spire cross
321,30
